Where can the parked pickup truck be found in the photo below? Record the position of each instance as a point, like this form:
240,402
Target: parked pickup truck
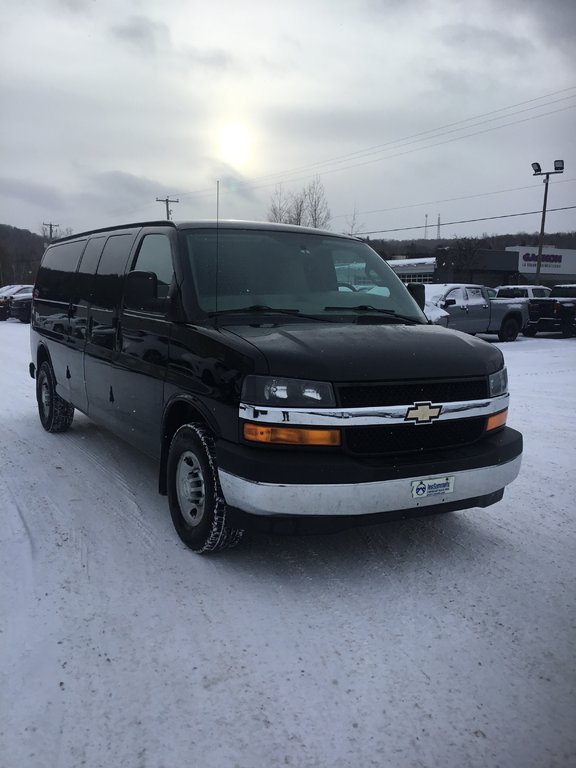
472,310
557,313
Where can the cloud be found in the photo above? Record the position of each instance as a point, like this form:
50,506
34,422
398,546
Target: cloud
484,41
118,193
152,38
144,34
212,59
31,193
556,19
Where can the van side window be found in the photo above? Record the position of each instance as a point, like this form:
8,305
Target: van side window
84,277
57,270
155,255
106,285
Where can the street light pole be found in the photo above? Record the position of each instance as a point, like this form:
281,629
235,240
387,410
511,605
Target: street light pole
558,168
541,238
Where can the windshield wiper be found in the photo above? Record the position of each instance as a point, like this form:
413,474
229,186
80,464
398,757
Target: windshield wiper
392,314
265,309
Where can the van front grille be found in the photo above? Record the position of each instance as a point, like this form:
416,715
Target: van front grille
405,393
410,438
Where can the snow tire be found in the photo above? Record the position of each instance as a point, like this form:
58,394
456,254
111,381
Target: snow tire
197,506
509,330
56,414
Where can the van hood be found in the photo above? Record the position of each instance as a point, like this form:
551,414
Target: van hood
347,352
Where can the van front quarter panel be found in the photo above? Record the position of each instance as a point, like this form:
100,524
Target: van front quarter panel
277,373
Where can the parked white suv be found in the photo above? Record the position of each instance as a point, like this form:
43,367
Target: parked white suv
522,292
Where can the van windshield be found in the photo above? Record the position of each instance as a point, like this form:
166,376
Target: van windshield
302,273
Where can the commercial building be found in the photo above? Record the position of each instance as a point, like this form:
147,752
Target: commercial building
514,265
558,265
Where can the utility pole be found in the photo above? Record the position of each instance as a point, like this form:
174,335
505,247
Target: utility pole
438,228
426,227
51,228
166,201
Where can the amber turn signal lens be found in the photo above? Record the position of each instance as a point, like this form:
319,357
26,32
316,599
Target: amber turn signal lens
497,420
259,433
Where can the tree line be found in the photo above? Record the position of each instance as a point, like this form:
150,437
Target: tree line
21,250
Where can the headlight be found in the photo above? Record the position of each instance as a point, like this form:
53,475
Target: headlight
287,393
498,383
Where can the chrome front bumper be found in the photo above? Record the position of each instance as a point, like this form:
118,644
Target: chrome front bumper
396,495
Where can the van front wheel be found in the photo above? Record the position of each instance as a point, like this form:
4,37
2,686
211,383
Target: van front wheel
55,413
197,506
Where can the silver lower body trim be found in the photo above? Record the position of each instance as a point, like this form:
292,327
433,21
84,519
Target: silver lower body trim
364,498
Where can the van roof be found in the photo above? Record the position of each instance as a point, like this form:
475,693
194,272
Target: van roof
211,224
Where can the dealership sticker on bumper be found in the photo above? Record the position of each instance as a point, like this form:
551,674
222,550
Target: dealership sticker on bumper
432,486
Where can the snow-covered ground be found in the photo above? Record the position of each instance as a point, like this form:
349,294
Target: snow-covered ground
445,641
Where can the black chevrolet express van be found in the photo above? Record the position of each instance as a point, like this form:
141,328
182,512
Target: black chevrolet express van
280,375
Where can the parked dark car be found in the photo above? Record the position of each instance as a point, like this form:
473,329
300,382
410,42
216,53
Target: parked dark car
6,294
20,306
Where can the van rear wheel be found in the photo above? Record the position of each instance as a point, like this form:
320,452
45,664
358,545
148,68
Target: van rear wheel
197,506
56,414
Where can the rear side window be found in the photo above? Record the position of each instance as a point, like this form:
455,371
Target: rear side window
84,278
57,270
111,267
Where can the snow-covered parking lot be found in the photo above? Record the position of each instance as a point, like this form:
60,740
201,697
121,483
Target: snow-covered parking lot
446,641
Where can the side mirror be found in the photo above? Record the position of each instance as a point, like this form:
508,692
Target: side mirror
449,303
416,290
140,289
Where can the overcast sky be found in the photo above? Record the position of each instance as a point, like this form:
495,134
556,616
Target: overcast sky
404,108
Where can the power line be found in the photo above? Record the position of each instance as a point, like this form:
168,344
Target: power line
406,141
401,144
449,199
432,133
467,221
254,186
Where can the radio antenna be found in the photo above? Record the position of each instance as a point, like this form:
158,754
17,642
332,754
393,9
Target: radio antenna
217,244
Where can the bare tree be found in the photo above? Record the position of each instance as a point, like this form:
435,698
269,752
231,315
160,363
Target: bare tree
317,211
279,206
306,208
352,224
297,212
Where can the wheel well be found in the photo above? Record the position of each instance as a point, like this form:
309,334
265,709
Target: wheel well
179,413
41,357
516,316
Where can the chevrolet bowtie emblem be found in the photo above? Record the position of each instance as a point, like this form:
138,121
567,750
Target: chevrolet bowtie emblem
423,413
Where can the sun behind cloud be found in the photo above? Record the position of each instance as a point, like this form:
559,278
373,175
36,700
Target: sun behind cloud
234,143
